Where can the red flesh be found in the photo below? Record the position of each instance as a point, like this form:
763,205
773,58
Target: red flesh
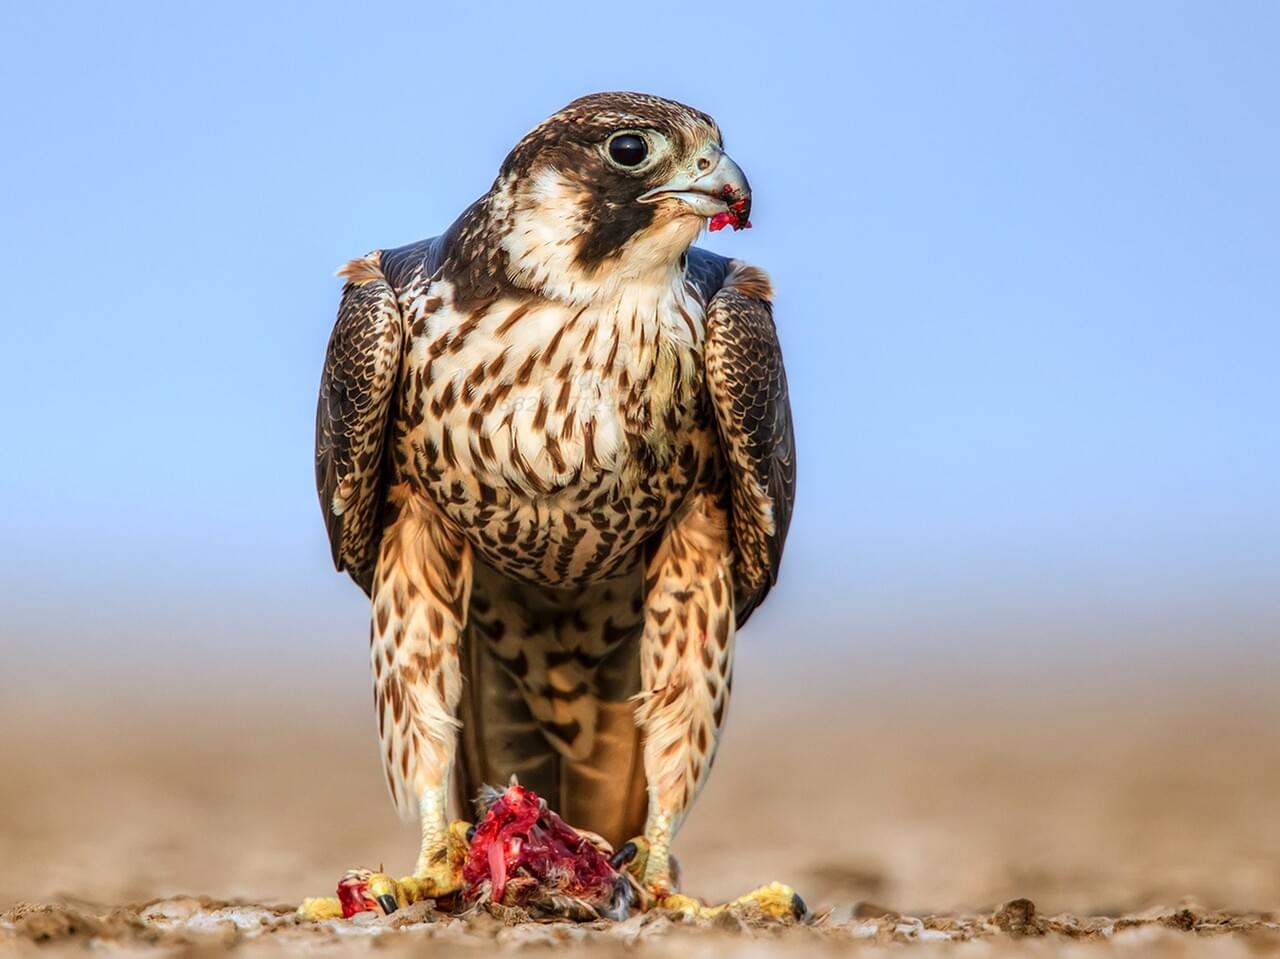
351,894
520,835
735,216
720,221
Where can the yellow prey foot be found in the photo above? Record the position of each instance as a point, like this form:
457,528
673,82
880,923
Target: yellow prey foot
362,890
776,900
320,907
439,874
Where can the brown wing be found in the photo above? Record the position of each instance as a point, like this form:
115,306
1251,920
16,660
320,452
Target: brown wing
748,389
357,390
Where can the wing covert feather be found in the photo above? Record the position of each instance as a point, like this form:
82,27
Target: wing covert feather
357,392
748,389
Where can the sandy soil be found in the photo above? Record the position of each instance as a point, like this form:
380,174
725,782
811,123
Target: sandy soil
1135,823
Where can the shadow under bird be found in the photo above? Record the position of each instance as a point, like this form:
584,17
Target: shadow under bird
554,447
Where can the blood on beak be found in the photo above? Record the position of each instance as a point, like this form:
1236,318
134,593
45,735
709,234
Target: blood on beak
721,192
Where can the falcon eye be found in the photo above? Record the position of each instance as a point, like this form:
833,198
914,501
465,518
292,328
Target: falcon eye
628,149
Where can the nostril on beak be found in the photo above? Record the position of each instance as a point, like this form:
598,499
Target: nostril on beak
704,164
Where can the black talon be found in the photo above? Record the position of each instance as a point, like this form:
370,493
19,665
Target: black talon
798,907
624,855
388,903
471,832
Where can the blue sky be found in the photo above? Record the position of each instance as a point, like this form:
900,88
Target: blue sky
1027,255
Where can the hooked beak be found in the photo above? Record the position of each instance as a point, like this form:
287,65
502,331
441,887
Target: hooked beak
719,190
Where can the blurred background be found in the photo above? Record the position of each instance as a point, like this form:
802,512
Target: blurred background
1028,271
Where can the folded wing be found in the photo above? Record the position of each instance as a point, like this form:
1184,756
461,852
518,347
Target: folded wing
354,413
748,389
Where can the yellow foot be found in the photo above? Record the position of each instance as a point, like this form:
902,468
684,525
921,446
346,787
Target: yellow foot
439,871
658,886
775,900
657,876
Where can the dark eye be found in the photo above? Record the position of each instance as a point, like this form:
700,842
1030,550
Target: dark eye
627,149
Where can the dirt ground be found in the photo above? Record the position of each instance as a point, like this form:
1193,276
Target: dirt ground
1138,821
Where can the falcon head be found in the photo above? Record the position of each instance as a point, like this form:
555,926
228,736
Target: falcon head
617,185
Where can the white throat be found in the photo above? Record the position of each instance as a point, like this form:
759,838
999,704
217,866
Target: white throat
545,221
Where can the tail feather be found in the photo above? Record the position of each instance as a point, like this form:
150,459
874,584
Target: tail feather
515,663
499,736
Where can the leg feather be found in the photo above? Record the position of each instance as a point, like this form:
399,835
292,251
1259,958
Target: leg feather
686,661
421,588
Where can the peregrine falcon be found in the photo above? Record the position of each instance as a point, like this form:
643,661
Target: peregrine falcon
554,447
